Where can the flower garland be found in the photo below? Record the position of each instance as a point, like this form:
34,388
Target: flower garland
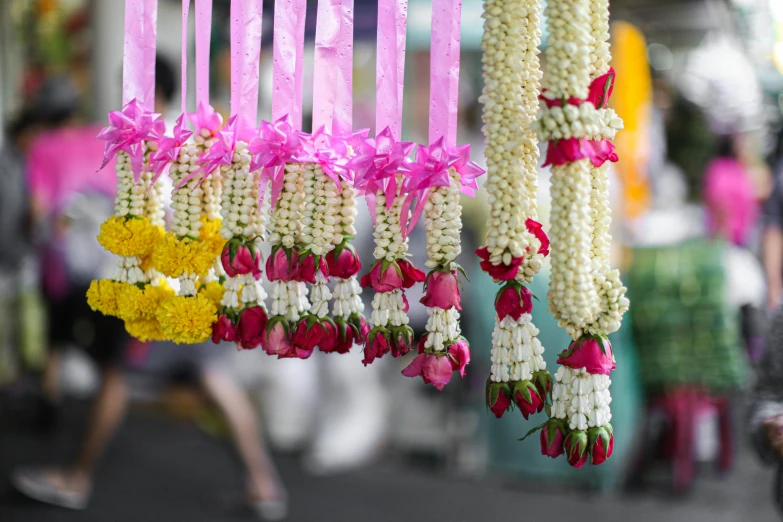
586,295
188,251
516,243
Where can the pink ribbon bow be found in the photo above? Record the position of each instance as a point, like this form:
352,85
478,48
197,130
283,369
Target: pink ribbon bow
376,164
331,152
127,129
276,144
168,148
205,118
431,169
220,153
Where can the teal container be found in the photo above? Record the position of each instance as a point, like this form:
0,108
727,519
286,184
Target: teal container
523,460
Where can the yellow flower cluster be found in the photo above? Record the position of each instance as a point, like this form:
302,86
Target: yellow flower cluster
213,291
129,236
102,296
210,233
174,257
145,330
187,320
135,302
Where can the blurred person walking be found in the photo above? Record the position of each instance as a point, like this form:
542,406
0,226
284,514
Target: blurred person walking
72,201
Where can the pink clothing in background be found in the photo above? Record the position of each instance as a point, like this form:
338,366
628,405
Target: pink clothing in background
64,162
732,207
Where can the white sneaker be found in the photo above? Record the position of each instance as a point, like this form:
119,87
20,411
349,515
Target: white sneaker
34,483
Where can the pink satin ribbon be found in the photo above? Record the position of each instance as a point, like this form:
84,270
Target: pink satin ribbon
390,65
246,25
276,144
431,169
375,165
287,56
168,148
138,69
184,60
126,130
333,67
444,70
560,152
220,153
203,37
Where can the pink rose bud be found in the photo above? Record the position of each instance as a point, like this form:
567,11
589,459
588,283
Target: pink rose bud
601,443
459,354
225,260
361,326
223,330
499,272
251,327
247,261
514,300
433,369
498,398
377,344
307,269
410,274
594,354
535,228
282,265
422,341
575,446
343,262
383,280
553,436
442,290
527,398
401,340
277,337
306,336
346,335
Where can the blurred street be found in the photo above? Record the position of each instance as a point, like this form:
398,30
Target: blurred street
163,469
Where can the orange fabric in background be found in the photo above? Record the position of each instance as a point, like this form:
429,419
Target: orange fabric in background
632,100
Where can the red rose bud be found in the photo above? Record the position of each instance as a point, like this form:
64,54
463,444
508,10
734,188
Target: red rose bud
282,265
239,259
499,272
459,355
593,354
601,442
422,341
553,436
527,399
442,290
498,398
343,262
377,344
329,336
225,260
543,381
410,274
251,327
308,333
383,279
401,340
514,300
433,369
277,338
346,335
362,328
307,268
575,446
223,330
537,229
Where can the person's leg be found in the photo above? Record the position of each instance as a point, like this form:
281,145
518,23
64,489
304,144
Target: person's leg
238,410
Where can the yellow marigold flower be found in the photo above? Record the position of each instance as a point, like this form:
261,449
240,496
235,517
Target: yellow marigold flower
213,291
210,233
146,262
127,237
174,257
136,302
102,296
187,320
145,330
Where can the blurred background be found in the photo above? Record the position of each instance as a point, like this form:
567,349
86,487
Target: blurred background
696,201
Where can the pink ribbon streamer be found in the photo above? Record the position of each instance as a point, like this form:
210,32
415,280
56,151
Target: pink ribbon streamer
246,25
444,70
203,37
431,169
184,60
287,56
168,148
333,67
390,65
141,18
